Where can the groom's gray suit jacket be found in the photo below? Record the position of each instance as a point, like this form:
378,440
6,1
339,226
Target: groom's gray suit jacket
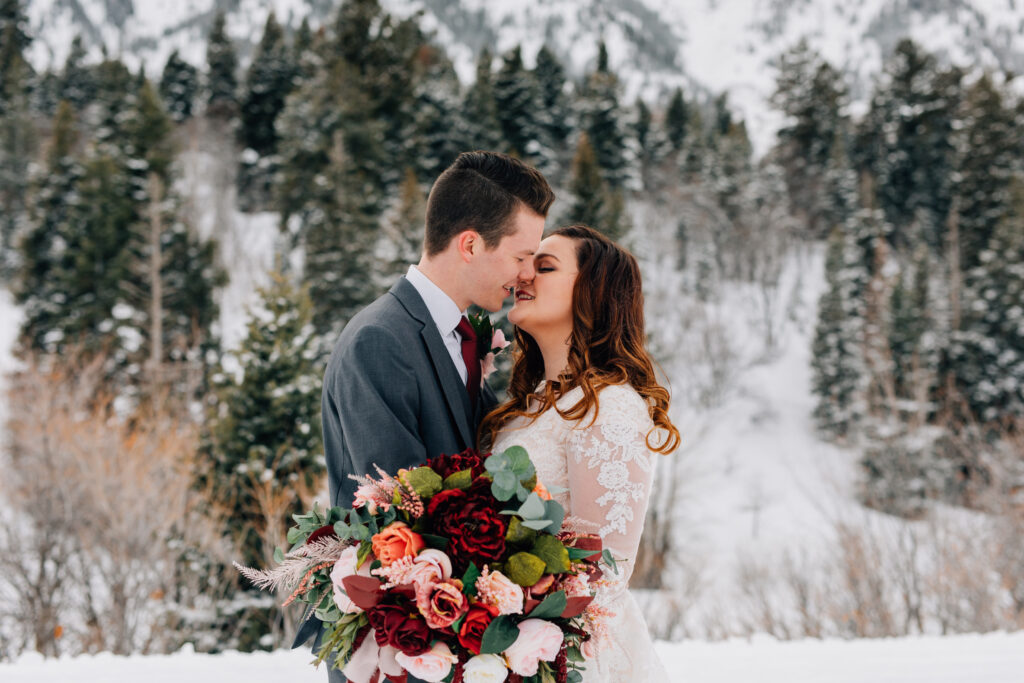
391,397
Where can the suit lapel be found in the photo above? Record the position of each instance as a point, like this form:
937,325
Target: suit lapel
448,377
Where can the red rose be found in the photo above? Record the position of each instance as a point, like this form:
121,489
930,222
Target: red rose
447,465
471,632
401,627
472,523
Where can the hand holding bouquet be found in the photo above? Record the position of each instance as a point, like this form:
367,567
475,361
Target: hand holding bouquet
459,570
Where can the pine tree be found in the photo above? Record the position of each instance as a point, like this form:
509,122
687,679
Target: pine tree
517,99
179,86
17,132
264,431
837,361
601,119
649,143
404,227
677,120
594,203
907,143
908,308
221,77
440,132
481,110
77,82
986,169
554,114
812,96
268,82
115,97
45,259
987,356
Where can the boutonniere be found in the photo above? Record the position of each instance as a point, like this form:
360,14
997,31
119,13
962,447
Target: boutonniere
489,342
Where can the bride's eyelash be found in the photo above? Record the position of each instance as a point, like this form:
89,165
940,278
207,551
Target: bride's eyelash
545,269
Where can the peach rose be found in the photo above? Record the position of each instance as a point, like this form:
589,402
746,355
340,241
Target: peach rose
441,603
431,666
538,640
395,541
499,591
346,566
429,567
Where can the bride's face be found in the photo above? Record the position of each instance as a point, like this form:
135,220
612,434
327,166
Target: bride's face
543,305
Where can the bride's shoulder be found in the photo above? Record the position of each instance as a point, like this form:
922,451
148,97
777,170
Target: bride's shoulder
622,398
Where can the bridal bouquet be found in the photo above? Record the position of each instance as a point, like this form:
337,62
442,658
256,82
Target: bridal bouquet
460,570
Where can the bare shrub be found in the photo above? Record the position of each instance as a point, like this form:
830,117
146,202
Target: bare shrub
101,506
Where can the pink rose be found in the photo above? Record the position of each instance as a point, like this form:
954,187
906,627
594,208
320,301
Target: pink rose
431,666
487,366
499,591
346,566
429,567
538,640
498,341
441,603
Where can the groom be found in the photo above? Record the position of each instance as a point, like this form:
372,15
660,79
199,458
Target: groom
403,382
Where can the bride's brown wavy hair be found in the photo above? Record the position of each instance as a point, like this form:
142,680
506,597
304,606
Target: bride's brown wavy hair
606,346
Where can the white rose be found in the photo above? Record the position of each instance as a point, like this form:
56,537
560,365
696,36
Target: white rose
485,669
346,566
431,666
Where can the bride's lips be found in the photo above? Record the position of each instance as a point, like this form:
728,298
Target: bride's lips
523,296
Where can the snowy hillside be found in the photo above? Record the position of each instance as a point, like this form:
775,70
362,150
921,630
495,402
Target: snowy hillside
992,658
713,45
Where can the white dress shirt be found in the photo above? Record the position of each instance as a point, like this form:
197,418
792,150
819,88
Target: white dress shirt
446,315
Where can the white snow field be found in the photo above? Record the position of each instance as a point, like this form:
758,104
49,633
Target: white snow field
989,658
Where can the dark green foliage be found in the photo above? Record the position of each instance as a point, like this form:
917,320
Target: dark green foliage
986,169
517,99
554,113
601,119
838,368
264,429
988,351
45,259
677,120
480,109
440,131
268,82
907,143
222,71
77,82
594,203
179,86
813,97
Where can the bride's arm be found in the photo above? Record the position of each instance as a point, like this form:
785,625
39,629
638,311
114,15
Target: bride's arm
610,472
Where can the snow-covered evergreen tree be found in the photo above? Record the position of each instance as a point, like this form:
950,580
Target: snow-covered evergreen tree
480,110
518,103
179,87
601,118
46,259
440,131
222,71
264,428
17,132
77,83
839,375
555,114
988,351
267,84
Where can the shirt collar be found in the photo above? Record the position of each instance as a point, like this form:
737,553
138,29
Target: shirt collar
443,310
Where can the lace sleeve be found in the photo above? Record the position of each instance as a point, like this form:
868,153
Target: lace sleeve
610,472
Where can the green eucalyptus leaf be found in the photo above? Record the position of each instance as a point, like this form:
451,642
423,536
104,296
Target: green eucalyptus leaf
499,636
551,607
533,508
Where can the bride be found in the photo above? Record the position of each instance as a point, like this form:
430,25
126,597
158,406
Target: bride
585,403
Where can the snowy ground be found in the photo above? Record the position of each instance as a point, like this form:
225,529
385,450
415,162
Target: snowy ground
991,658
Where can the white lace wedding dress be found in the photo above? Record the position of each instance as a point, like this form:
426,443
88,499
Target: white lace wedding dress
606,470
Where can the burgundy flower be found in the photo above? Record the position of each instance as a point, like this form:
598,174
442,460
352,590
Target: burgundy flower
400,626
447,465
472,523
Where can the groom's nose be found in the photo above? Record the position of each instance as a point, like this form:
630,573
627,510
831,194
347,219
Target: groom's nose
526,271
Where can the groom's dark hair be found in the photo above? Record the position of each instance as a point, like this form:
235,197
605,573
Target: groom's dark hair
482,191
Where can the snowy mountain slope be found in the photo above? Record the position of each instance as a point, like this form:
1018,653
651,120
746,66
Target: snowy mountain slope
655,45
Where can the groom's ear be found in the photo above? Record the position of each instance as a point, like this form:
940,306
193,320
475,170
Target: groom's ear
468,243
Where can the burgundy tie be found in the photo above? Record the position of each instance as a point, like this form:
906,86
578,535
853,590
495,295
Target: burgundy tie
468,335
